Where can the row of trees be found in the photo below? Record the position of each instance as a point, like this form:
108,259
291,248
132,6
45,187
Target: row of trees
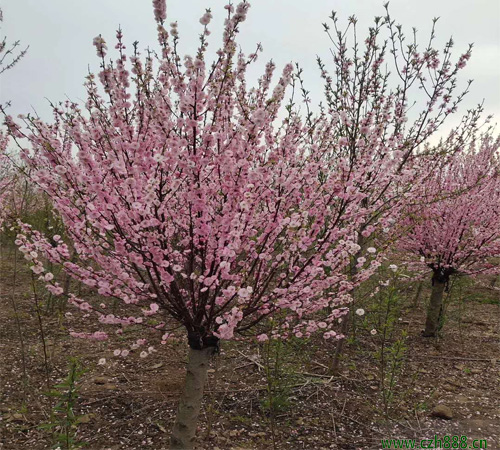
235,209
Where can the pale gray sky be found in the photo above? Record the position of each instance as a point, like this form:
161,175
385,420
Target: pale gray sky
60,33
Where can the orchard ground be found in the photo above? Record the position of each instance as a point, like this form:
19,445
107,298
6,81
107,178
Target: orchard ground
257,396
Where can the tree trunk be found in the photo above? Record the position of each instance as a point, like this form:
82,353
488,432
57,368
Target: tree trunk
435,308
339,346
416,299
184,431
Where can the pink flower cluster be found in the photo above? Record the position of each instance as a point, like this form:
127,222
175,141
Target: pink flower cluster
456,229
40,245
160,10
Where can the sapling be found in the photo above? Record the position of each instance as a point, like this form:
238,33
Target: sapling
64,421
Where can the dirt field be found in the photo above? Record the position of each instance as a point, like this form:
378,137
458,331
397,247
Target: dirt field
129,403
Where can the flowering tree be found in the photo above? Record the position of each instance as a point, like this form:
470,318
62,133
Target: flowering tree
457,229
184,196
9,181
383,102
384,98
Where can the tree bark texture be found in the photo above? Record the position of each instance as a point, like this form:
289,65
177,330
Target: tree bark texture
184,431
435,309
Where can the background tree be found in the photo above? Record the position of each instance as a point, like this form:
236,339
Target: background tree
455,230
385,97
9,57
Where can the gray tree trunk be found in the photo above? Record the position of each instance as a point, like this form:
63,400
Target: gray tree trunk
339,346
184,431
416,299
435,308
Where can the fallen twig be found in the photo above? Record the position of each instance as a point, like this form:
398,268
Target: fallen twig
252,359
453,358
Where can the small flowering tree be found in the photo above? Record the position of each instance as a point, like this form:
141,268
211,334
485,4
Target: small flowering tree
183,195
457,229
385,97
11,185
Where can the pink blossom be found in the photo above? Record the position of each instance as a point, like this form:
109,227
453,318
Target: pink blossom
48,276
38,269
262,337
205,19
160,10
100,45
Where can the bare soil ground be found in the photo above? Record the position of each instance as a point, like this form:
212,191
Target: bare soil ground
129,403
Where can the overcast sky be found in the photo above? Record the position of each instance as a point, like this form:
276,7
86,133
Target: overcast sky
60,32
